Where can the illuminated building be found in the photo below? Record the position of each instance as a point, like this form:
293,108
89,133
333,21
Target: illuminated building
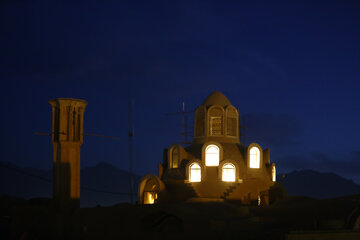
216,166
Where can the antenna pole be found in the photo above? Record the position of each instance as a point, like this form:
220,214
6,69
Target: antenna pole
183,123
131,133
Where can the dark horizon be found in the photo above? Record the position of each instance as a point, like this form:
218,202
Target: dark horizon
292,70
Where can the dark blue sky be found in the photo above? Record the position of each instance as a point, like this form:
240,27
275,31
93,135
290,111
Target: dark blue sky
292,69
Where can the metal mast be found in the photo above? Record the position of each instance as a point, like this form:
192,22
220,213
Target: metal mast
131,134
183,123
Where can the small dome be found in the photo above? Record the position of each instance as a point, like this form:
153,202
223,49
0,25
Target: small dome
216,98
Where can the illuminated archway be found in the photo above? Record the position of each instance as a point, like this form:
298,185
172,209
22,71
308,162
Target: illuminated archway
195,173
212,155
150,197
254,157
228,172
149,189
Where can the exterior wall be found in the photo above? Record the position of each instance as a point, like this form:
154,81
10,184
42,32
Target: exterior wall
249,183
266,156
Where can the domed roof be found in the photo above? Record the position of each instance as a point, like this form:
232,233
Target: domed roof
216,98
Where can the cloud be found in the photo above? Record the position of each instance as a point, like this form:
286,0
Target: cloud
270,129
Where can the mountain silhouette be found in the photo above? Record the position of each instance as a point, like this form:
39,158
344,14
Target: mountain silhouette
317,185
107,185
102,184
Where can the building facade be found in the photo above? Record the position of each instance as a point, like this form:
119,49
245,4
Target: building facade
216,166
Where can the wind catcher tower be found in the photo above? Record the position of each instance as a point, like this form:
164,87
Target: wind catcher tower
67,138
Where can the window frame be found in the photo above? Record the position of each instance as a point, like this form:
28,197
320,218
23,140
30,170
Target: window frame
211,116
177,153
273,172
231,113
233,169
259,156
208,164
191,169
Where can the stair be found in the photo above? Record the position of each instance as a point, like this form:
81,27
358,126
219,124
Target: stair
179,190
192,190
229,190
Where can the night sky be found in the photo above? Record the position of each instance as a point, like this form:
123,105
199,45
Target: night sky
292,70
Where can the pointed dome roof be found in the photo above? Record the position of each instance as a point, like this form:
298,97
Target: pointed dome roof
216,98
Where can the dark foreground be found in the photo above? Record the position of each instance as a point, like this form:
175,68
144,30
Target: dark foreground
290,218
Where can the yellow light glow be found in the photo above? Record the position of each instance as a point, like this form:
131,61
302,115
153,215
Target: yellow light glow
228,172
195,173
254,157
212,155
273,174
150,197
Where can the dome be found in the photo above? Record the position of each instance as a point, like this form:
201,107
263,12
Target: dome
216,98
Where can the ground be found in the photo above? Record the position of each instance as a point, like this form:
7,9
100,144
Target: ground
290,218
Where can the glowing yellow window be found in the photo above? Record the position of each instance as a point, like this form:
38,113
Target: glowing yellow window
150,197
195,173
212,155
273,174
254,157
228,172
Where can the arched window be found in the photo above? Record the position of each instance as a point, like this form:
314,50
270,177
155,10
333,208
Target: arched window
212,155
149,188
231,121
175,157
228,172
195,173
273,173
216,121
231,126
254,157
